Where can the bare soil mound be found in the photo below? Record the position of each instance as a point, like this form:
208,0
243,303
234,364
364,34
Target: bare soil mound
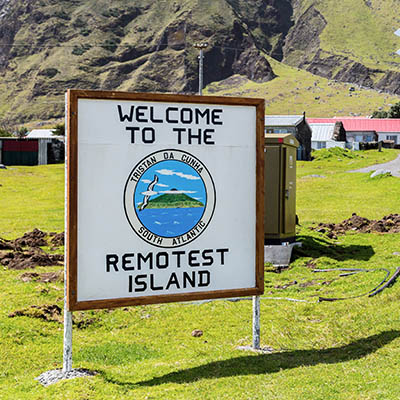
46,312
29,259
8,245
34,238
388,224
58,239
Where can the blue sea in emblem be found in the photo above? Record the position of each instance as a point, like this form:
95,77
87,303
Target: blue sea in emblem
170,222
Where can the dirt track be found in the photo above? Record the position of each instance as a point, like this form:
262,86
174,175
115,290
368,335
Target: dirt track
392,166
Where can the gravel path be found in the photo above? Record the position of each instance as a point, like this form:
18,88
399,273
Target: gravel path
392,166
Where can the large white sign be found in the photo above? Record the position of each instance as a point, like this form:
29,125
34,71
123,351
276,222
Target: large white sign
162,198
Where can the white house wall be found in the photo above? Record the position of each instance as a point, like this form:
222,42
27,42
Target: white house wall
333,143
328,144
385,135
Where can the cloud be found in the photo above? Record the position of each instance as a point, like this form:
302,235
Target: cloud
147,181
178,191
149,193
180,174
190,177
165,172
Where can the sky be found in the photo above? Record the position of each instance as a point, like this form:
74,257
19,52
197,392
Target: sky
171,174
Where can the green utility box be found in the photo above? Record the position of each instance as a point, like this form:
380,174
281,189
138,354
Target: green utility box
280,188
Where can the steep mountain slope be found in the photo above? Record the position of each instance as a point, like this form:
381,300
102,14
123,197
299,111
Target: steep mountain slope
47,46
347,40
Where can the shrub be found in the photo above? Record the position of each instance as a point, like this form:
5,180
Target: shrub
333,152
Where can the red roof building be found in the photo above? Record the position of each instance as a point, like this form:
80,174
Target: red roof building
363,129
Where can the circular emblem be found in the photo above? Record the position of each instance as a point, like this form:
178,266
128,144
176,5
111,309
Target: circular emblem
169,198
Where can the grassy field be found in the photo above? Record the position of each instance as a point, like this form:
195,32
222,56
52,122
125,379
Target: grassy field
330,350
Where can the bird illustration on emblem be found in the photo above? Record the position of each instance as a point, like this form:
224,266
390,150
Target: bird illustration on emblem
148,193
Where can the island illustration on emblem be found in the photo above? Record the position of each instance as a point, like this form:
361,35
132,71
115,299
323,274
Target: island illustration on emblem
170,198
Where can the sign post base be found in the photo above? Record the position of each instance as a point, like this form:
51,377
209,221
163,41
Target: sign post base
67,352
256,322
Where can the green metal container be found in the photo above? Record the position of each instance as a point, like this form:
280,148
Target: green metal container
280,188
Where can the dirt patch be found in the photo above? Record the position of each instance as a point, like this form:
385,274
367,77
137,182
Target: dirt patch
286,285
46,312
81,322
52,313
306,284
58,239
19,260
197,333
45,277
388,224
8,245
35,238
309,283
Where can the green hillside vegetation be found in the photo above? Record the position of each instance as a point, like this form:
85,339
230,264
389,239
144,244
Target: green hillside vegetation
169,200
344,350
351,26
295,91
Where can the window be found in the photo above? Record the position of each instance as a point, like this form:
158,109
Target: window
392,137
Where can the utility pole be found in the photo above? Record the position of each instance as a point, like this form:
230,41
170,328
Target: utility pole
201,46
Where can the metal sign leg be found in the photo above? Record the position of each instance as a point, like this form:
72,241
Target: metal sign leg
67,353
256,322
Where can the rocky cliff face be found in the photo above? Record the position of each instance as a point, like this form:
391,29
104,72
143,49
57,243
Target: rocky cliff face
47,46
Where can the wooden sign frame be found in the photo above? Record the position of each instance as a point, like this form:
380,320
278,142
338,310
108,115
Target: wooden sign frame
72,199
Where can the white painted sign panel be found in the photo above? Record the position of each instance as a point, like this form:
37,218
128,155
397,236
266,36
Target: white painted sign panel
165,199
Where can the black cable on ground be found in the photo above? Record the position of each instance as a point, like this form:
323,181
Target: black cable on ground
347,272
351,271
389,283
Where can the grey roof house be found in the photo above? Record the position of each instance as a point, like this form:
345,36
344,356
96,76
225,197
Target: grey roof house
297,126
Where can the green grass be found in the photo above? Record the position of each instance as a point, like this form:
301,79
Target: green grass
341,350
31,197
338,194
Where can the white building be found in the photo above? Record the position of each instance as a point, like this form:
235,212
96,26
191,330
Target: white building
323,136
